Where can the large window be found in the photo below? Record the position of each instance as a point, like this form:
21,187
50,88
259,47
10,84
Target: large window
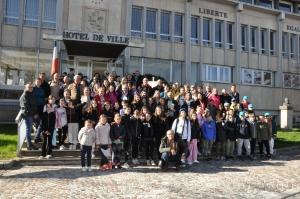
49,14
218,74
293,46
243,38
218,34
267,3
136,22
158,67
206,32
151,24
284,45
165,26
135,64
12,11
31,13
285,6
291,81
247,1
178,28
252,39
257,77
229,36
194,31
272,42
263,41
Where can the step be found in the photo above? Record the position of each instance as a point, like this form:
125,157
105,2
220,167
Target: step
55,152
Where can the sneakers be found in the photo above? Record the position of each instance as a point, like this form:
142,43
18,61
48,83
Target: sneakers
102,167
109,166
32,148
164,169
74,146
38,140
153,163
222,158
218,158
160,163
62,147
135,161
71,147
231,157
41,157
83,169
189,163
90,169
148,163
182,164
196,162
126,165
49,156
199,153
177,167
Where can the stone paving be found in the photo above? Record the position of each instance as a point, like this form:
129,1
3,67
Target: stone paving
216,179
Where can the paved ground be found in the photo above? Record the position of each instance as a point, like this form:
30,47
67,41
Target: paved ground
206,180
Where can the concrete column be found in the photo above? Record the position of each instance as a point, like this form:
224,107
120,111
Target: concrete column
21,19
126,61
59,21
248,46
187,41
286,117
225,42
1,19
237,44
172,34
297,49
258,44
279,76
295,7
38,30
289,51
158,54
276,4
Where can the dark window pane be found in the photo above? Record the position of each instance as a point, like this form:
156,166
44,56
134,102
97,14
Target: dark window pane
285,7
194,28
136,22
151,24
266,3
246,1
178,28
206,32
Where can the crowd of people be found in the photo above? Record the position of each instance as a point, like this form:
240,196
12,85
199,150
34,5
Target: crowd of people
127,116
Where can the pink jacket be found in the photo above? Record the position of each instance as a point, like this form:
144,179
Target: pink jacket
216,99
113,97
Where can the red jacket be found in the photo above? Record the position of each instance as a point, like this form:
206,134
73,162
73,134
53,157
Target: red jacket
216,99
106,99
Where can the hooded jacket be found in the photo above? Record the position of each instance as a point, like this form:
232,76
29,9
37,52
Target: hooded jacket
209,130
117,132
244,131
125,120
221,132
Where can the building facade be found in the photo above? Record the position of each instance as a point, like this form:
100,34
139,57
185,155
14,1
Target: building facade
253,44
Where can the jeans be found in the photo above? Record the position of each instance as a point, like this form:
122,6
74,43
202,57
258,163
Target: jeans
166,158
29,120
207,147
266,143
149,148
47,141
117,152
86,150
246,143
104,159
221,146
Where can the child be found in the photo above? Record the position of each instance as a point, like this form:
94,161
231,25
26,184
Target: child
273,130
51,100
195,138
245,102
253,128
263,135
47,126
62,124
151,105
220,137
108,113
129,131
116,108
133,88
124,105
67,95
212,109
72,125
231,136
86,138
209,136
103,141
112,94
136,103
244,136
148,136
136,123
117,134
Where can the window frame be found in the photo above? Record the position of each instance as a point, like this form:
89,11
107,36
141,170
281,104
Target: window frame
11,17
219,44
253,48
287,3
162,34
263,33
204,41
181,38
247,2
134,33
244,47
195,41
230,45
218,74
272,4
151,33
262,77
273,51
46,21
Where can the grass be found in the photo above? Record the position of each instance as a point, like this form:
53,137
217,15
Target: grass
8,141
287,138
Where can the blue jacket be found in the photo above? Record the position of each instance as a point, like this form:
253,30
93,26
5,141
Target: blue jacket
209,130
39,95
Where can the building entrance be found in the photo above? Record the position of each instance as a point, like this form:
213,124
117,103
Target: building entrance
90,67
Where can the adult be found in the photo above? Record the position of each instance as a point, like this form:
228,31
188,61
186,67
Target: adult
164,94
114,74
129,78
29,113
93,82
55,85
76,89
207,92
95,77
138,78
64,86
175,90
173,149
145,86
188,102
119,87
71,75
125,95
173,108
104,76
39,96
101,98
225,97
44,85
234,94
159,86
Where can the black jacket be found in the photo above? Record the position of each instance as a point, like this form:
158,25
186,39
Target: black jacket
136,106
160,127
231,131
225,98
46,87
147,132
129,98
48,122
221,132
28,104
160,89
117,132
109,115
195,130
91,116
127,123
137,127
244,131
138,81
184,105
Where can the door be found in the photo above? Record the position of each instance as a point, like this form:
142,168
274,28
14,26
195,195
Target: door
83,66
98,67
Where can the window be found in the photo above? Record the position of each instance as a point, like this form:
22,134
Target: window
229,36
49,14
272,43
178,28
257,77
206,32
12,11
284,44
243,38
218,74
151,24
136,22
285,6
158,67
252,39
165,26
218,34
247,1
291,81
31,13
263,41
293,46
194,73
194,31
267,3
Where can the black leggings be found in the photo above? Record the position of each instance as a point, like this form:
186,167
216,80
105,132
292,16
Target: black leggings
158,141
266,143
117,152
63,131
135,147
149,145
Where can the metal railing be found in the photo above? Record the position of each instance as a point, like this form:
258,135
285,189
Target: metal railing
21,132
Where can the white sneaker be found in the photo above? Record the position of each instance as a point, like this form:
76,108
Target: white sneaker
148,163
49,156
189,163
196,162
61,147
90,169
126,165
153,163
199,153
41,157
83,169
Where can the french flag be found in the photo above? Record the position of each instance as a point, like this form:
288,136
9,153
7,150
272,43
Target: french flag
54,61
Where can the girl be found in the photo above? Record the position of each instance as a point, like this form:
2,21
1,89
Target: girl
148,136
73,125
164,106
160,127
116,108
91,113
67,94
136,103
151,105
105,85
108,113
101,99
119,87
166,90
143,112
103,141
200,102
221,111
47,125
188,102
61,124
137,125
86,98
86,138
95,90
117,134
51,100
144,98
220,138
195,138
156,97
214,96
112,95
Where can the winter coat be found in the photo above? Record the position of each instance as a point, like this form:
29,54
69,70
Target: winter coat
91,116
102,134
221,132
209,130
136,106
72,88
160,127
137,126
254,129
244,131
186,106
213,111
106,99
225,98
147,132
195,130
112,96
129,97
127,123
87,137
48,122
109,115
216,99
235,95
231,131
263,132
39,95
117,132
181,146
28,104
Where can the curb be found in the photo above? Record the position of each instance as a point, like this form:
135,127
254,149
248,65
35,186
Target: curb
6,164
287,193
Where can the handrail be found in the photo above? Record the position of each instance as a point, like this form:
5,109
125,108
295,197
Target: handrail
21,132
19,117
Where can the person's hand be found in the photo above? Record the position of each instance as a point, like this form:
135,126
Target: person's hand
236,140
173,152
117,142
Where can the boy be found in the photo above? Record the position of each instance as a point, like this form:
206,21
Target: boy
244,136
220,137
253,128
245,102
273,131
263,135
129,131
231,136
209,136
124,104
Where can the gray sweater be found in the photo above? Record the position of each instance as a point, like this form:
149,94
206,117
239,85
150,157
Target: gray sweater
87,137
102,134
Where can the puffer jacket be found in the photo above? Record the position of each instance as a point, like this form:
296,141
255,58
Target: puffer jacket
181,146
137,126
127,123
221,132
87,137
102,134
28,104
117,132
72,88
